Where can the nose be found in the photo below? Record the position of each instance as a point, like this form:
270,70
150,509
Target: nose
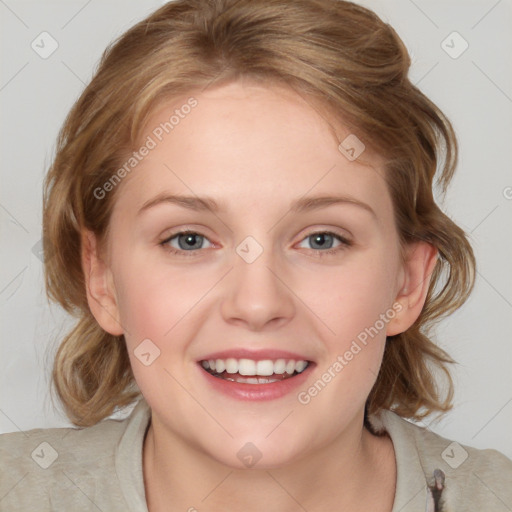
256,295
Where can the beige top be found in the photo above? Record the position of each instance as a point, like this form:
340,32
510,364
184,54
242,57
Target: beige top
99,468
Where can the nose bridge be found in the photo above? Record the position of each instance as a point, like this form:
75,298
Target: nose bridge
255,295
253,262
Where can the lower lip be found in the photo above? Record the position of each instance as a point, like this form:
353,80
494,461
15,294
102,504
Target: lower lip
256,392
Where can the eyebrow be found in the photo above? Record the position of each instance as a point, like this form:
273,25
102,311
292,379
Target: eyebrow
205,203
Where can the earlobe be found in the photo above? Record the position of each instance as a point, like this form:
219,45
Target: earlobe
100,289
417,271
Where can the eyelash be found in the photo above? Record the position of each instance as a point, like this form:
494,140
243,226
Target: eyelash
345,243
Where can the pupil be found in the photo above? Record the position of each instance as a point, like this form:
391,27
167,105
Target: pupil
321,237
189,240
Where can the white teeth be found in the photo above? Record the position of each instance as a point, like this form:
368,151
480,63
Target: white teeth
247,367
231,365
290,367
300,366
251,380
279,366
264,368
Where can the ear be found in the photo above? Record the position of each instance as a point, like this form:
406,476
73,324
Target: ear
99,285
416,272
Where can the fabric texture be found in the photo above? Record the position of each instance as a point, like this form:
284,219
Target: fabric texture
100,468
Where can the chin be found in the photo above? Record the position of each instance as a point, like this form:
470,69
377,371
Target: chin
263,454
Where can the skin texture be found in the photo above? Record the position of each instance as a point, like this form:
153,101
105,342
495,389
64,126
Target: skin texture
256,149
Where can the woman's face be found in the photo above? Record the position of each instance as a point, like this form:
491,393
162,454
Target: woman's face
270,278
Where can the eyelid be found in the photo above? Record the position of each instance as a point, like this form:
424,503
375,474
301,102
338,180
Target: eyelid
166,240
345,242
344,235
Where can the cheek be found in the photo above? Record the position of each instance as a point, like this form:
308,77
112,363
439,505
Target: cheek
153,296
351,297
355,305
154,304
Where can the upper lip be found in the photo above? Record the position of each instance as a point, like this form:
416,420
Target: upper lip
256,355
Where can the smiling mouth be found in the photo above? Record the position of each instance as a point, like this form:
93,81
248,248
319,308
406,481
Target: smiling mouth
248,371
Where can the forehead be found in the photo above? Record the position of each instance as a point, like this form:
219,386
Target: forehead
247,143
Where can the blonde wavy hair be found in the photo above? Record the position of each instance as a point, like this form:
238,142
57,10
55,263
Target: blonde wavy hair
334,52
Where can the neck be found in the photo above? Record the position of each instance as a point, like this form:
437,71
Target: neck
354,472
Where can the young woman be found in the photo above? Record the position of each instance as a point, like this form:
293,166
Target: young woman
241,217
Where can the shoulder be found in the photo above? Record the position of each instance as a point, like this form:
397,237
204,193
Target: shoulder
460,477
59,468
44,447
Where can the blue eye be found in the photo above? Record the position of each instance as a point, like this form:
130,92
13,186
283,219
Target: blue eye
190,242
324,240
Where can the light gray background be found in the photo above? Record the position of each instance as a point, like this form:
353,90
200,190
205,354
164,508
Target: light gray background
474,90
